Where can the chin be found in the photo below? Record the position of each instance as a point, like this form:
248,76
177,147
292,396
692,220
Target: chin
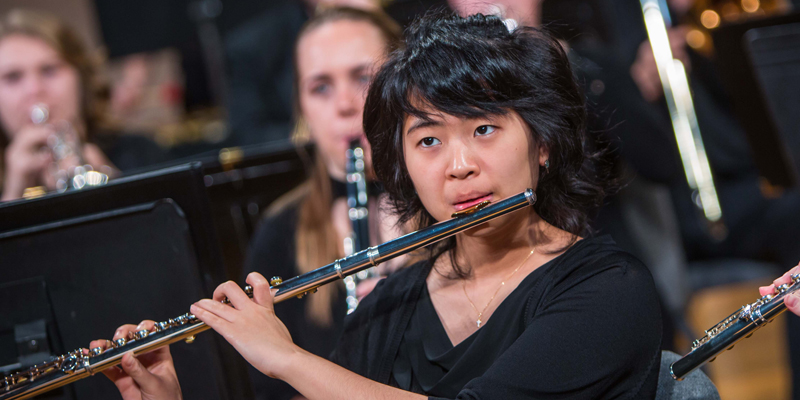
480,230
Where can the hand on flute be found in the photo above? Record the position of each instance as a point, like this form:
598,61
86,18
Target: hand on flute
250,325
792,301
149,376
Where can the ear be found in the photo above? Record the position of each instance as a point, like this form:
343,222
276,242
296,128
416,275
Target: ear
544,154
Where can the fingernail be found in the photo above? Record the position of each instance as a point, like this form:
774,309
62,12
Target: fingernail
791,300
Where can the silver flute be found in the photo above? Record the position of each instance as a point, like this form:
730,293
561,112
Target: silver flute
76,365
737,326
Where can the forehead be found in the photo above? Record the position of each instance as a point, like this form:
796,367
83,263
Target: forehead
19,49
339,46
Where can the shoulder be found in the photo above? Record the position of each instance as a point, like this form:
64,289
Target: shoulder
273,241
593,258
596,269
288,203
279,221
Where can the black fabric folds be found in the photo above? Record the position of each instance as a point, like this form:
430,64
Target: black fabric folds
585,325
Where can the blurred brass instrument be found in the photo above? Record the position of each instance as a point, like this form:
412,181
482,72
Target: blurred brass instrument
678,96
70,170
737,326
76,365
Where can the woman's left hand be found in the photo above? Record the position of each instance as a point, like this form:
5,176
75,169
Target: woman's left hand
250,325
792,301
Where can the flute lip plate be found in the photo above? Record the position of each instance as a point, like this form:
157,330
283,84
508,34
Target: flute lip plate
471,210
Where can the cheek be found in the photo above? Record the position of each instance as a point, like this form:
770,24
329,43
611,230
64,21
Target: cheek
11,119
67,94
316,112
428,180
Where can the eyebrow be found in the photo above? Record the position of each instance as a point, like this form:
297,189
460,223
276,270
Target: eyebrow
358,69
422,123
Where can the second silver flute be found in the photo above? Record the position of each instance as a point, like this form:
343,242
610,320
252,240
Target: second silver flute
737,326
76,365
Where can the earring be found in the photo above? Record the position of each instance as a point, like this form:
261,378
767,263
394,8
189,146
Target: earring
547,165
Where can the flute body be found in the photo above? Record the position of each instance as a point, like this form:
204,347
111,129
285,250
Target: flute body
737,326
75,365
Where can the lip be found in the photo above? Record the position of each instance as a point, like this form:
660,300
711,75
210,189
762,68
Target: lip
355,136
468,200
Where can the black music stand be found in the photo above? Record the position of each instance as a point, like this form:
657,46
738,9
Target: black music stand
81,263
241,183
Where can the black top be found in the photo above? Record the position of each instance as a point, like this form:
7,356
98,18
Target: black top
584,325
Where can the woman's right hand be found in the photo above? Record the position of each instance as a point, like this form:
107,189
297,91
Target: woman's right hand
149,376
26,160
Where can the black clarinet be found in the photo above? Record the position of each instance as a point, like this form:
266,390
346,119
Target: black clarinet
75,365
358,212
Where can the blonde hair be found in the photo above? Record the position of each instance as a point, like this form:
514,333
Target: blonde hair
316,240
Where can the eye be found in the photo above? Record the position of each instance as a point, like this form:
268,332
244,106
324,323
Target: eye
429,142
484,130
12,77
321,88
364,79
49,70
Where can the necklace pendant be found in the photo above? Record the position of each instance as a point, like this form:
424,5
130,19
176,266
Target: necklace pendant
479,323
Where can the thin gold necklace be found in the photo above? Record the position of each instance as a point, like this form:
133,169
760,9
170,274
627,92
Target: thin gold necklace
503,283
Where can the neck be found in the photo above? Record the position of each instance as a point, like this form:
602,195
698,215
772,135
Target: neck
485,255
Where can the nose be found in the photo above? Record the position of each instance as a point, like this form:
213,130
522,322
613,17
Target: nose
34,88
347,102
463,162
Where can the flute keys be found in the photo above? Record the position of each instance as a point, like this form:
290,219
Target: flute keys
119,342
782,288
96,351
275,281
141,334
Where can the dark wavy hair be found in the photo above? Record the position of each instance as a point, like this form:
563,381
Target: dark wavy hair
474,67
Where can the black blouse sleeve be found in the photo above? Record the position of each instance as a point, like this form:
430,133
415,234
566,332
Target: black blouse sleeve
592,335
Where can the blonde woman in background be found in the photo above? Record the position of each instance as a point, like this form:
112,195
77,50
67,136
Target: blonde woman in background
44,63
337,52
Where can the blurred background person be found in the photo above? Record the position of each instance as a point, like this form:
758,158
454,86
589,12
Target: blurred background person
337,52
42,62
259,68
